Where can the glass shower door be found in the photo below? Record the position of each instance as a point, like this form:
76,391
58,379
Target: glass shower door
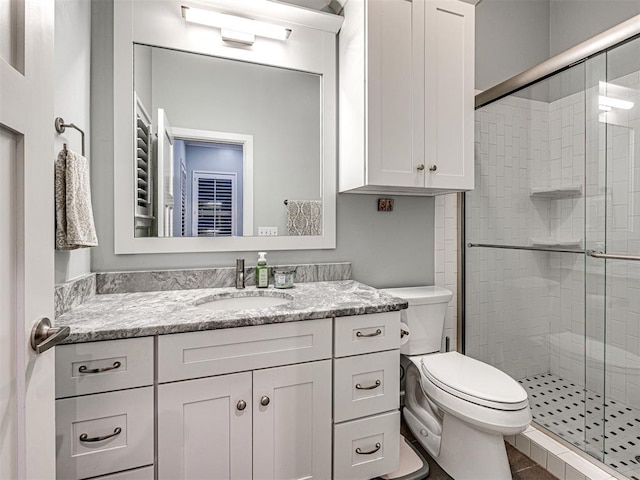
525,262
552,268
613,258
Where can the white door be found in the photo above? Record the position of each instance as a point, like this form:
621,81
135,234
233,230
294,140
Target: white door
204,428
164,173
27,413
292,422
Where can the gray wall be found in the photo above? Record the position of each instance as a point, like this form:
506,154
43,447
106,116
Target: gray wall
72,64
574,21
511,36
515,35
386,249
142,74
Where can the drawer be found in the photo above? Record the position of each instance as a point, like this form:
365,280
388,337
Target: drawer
214,352
366,384
366,333
129,411
367,448
84,368
145,473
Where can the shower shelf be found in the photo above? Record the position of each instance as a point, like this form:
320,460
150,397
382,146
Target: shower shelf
559,192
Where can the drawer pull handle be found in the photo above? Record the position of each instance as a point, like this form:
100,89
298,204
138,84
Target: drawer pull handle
370,452
374,334
241,405
264,401
84,369
370,387
85,438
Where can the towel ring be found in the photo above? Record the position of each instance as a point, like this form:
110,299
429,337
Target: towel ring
61,127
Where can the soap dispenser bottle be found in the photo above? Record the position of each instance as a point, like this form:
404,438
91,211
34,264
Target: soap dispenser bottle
262,271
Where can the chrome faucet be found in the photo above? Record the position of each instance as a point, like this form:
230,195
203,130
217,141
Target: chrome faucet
239,273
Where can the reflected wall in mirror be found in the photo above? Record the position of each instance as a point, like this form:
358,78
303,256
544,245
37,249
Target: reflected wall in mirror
222,143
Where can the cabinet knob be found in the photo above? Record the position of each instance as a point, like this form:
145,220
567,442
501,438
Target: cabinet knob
241,405
433,168
420,167
264,401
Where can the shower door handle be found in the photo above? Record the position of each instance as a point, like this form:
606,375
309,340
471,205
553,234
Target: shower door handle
613,256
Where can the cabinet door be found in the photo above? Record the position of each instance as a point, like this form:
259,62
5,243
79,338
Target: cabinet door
395,92
292,422
203,429
449,88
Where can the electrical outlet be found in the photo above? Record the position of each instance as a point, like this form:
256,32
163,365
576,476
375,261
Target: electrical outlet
267,231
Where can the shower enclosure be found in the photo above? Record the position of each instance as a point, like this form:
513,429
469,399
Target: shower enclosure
552,248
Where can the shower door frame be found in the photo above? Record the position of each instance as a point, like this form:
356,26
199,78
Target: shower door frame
623,33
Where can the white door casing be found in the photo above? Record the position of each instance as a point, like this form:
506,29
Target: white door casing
164,174
27,421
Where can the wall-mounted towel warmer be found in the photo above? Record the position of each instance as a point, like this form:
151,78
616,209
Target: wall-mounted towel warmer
61,127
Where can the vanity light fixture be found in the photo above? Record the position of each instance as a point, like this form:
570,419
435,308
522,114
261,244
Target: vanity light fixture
233,28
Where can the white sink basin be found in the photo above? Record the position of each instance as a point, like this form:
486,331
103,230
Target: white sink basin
244,302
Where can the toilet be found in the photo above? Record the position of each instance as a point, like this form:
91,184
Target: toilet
458,408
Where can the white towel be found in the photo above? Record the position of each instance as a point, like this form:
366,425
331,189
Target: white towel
74,214
304,217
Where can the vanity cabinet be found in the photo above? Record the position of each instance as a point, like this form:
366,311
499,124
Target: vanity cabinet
406,94
267,424
366,386
314,399
104,410
264,423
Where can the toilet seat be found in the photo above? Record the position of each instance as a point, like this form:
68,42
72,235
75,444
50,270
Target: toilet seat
473,381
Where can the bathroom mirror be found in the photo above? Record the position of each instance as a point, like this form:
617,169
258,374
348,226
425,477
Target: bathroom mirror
223,146
235,150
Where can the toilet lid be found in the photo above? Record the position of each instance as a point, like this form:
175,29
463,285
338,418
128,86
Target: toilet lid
474,381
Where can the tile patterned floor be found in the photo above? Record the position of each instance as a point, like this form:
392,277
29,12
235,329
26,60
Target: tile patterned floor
522,467
576,415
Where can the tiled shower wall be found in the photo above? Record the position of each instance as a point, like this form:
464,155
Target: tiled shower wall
526,310
508,308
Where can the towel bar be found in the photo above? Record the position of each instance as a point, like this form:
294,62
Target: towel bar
61,127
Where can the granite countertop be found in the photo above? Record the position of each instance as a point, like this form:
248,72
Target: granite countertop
126,315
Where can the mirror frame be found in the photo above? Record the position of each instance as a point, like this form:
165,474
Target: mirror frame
311,48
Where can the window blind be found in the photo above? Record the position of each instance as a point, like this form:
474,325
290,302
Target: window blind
214,214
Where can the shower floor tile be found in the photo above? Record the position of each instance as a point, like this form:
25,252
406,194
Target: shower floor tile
562,407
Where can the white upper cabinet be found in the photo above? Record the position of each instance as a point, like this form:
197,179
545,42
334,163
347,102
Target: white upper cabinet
406,96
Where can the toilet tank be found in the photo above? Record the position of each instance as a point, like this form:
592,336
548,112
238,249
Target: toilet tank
424,317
